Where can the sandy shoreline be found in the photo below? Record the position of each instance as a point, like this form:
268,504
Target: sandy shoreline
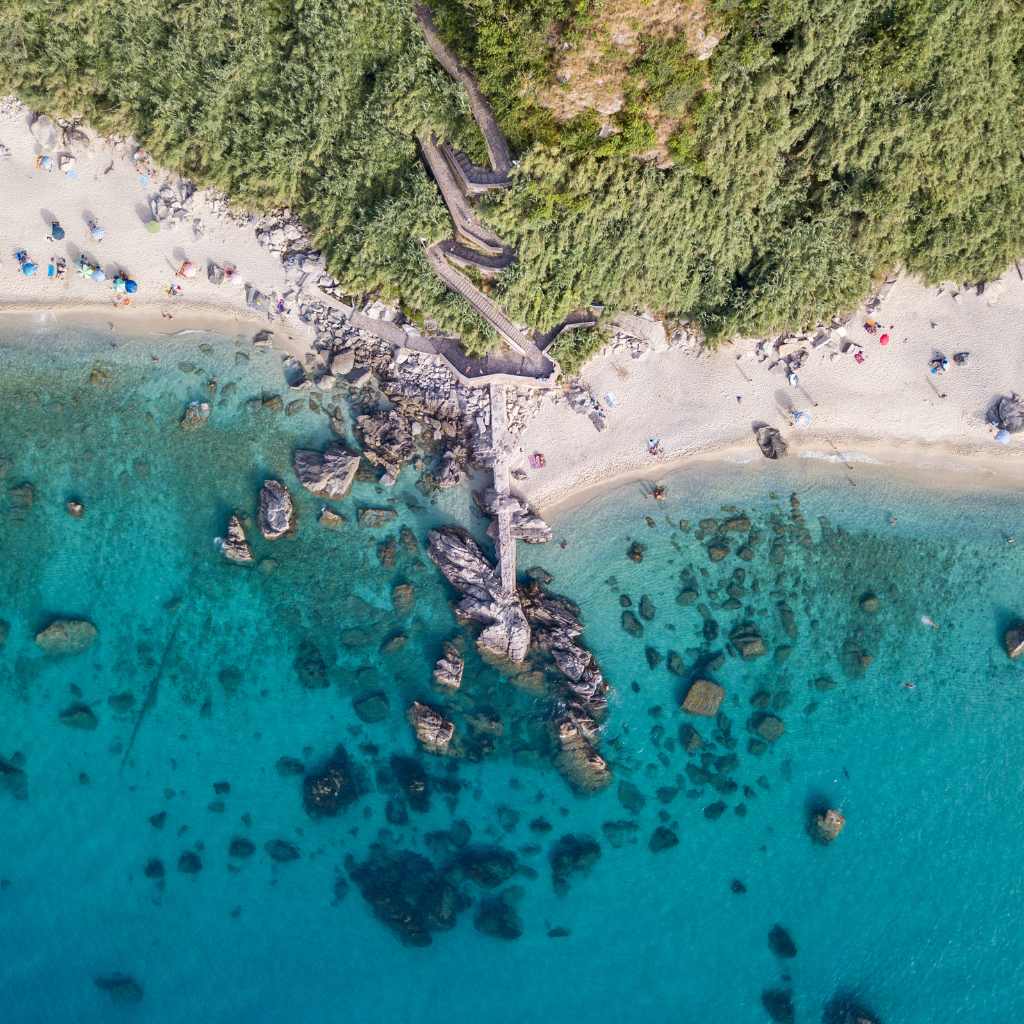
886,411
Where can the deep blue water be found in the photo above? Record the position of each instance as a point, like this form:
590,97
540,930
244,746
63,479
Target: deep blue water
914,909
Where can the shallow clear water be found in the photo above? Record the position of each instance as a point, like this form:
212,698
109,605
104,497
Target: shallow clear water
914,908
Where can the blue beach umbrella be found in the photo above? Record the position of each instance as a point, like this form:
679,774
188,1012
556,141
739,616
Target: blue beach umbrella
28,268
131,287
98,275
1003,436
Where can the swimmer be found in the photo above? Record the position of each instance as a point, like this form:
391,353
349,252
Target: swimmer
909,686
926,621
892,520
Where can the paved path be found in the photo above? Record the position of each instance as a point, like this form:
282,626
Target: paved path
501,443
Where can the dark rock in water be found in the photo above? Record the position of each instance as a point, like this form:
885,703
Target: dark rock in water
5,631
79,716
647,609
854,659
870,603
689,739
371,707
676,665
625,601
662,838
403,596
826,826
781,943
13,779
846,1008
276,511
737,887
241,848
154,868
222,788
488,866
310,666
189,863
412,781
407,894
158,820
631,624
635,553
396,813
767,726
572,855
195,416
714,811
75,509
375,518
289,766
653,657
539,575
824,683
331,789
281,851
688,596
756,747
559,933
340,889
761,699
703,698
498,919
122,988
449,668
619,833
66,636
327,475
748,641
778,1004
121,702
630,797
717,551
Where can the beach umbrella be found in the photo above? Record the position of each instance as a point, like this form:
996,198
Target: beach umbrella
1007,413
28,268
187,269
131,287
1003,436
801,419
153,227
98,275
97,233
56,231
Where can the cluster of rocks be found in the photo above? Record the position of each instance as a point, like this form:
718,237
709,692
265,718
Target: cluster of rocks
582,400
526,525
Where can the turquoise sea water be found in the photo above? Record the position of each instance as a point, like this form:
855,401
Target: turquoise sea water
914,910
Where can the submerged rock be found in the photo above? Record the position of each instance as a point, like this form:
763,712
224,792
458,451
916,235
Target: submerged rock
576,757
189,863
748,641
276,512
79,716
196,415
375,518
768,727
75,509
281,851
488,866
13,779
781,943
412,780
778,1004
122,988
433,731
870,603
372,707
67,636
332,788
241,848
5,631
846,1008
662,839
499,919
703,698
572,855
328,474
235,547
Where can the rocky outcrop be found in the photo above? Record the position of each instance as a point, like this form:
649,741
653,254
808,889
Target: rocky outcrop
506,633
332,788
235,548
576,757
67,636
277,513
449,668
387,440
1014,641
527,526
769,440
327,474
825,827
195,416
433,731
703,698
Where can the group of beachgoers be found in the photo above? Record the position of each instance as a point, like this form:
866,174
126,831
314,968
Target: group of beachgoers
124,287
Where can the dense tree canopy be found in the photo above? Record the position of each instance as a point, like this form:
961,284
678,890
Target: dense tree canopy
823,143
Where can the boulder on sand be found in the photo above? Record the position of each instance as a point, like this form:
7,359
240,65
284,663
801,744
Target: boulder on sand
328,474
235,547
277,513
703,698
769,440
66,636
432,729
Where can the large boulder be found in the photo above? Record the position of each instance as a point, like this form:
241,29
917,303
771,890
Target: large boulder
235,547
770,441
826,826
66,636
195,416
703,698
432,729
576,757
277,513
1014,641
328,474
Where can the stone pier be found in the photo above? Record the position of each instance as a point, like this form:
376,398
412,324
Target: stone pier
502,446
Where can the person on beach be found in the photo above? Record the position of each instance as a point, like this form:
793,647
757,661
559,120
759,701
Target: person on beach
27,267
56,232
44,162
97,233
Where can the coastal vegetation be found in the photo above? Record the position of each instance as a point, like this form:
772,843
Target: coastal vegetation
816,146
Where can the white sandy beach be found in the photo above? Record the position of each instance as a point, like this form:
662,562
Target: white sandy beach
106,186
888,410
